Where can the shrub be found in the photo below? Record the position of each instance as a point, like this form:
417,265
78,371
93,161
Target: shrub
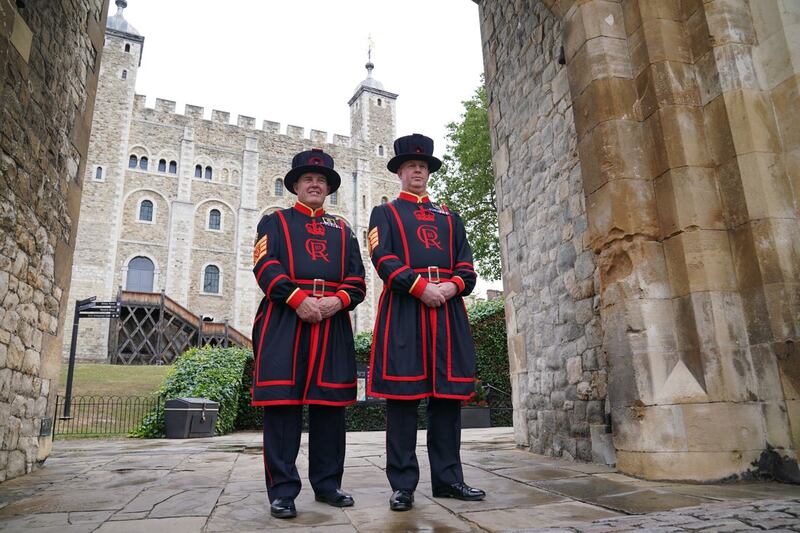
488,323
363,343
213,373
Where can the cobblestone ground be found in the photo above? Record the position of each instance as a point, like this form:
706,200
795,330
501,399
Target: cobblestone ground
736,515
217,484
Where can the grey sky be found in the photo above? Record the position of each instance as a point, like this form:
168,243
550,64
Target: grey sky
299,61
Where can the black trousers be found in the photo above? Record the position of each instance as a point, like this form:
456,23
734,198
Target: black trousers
326,437
444,442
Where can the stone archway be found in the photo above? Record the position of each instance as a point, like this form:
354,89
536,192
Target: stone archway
677,126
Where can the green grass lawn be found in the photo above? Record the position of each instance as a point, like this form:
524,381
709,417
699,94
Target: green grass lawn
116,380
108,399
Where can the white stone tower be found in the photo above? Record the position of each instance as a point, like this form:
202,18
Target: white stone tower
373,129
105,177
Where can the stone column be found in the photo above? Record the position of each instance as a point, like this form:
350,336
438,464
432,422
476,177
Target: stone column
247,293
181,226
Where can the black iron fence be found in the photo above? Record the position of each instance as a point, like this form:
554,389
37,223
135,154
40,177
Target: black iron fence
91,416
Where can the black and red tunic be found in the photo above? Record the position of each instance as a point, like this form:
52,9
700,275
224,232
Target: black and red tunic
418,351
297,362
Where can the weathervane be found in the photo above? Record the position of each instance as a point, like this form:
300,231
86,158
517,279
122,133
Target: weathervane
370,45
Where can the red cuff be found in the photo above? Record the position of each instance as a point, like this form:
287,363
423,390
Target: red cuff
296,298
459,283
344,297
418,287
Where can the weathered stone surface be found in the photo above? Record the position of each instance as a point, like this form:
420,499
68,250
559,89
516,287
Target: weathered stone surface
549,292
49,54
690,166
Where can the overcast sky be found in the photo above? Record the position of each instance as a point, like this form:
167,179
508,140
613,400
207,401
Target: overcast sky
298,62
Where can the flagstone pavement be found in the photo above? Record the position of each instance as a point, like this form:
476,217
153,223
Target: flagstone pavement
216,484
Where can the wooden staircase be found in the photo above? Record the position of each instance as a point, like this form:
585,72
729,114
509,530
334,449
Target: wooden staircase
155,329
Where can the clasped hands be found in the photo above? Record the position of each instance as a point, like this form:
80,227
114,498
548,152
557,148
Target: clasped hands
436,294
314,310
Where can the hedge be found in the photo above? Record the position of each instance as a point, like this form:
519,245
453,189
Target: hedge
213,373
488,323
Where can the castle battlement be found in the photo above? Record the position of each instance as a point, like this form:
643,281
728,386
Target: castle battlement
244,122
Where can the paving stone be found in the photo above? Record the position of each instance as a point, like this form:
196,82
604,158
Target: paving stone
537,473
155,525
554,514
251,512
501,493
425,516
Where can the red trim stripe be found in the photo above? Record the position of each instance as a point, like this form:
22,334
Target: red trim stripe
288,242
321,382
263,403
452,255
402,231
341,225
450,376
274,382
384,258
265,265
274,281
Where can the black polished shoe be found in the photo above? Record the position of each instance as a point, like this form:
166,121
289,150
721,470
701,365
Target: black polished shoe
459,491
336,498
402,500
283,508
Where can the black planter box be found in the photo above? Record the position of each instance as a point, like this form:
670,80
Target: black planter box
476,417
187,418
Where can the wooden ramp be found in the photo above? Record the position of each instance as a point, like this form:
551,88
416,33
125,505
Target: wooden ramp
155,329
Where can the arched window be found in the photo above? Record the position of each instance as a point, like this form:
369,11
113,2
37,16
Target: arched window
162,165
379,102
173,167
127,47
143,163
380,149
124,75
146,211
384,199
133,162
364,238
363,201
198,171
208,173
140,275
278,187
214,219
98,173
334,196
211,279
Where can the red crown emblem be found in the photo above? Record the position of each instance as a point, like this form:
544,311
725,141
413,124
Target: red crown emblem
315,161
315,229
424,215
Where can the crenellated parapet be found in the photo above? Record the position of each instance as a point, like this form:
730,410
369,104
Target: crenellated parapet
245,123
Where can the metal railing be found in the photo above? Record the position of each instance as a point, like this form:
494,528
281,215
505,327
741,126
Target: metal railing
92,416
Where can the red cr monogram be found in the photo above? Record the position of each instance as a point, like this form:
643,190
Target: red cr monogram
317,249
429,236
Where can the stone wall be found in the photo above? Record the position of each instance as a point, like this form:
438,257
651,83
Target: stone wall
558,366
49,59
685,117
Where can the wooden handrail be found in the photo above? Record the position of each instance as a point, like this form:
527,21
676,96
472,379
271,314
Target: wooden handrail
208,328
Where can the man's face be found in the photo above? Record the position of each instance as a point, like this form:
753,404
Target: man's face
414,176
311,189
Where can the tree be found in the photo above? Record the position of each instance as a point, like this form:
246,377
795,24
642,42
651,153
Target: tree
465,182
